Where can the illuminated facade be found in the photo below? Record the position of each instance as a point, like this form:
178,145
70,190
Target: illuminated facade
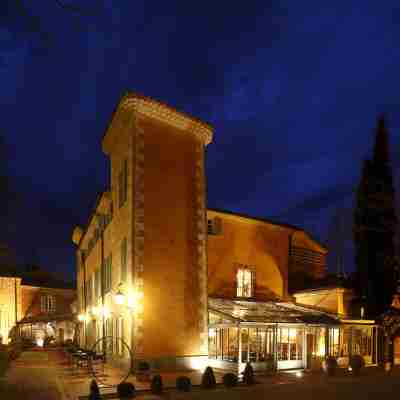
184,286
35,312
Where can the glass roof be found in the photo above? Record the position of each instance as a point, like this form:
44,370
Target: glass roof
269,312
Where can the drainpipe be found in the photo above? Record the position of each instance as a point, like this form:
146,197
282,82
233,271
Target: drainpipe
83,261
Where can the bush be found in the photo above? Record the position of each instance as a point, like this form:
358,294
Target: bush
230,380
208,379
356,363
183,384
94,391
156,385
330,365
143,366
248,374
126,390
4,361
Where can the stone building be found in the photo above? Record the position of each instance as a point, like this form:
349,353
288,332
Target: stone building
184,286
35,312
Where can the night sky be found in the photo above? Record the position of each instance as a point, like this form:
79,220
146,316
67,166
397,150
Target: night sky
292,88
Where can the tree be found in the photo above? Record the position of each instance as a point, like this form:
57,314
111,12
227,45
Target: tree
374,228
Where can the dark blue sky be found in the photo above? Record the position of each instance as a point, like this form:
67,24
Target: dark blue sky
292,88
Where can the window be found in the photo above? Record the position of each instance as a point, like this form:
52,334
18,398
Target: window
123,260
97,291
245,282
108,274
290,346
48,304
123,184
214,226
89,291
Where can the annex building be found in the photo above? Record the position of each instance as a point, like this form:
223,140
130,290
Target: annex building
185,286
35,307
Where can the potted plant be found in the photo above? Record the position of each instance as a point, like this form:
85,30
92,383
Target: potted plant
143,371
356,364
329,365
248,374
208,379
125,390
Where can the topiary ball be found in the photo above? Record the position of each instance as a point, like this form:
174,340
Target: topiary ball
156,385
357,362
94,391
126,390
330,365
183,384
208,379
248,374
230,380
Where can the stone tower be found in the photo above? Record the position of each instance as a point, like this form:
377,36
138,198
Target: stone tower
375,227
166,219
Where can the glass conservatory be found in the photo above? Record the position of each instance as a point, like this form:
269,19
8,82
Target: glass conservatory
283,336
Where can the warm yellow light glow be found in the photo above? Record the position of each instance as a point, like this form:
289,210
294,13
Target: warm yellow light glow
212,333
292,334
199,364
82,317
350,369
39,342
299,374
106,312
95,311
119,298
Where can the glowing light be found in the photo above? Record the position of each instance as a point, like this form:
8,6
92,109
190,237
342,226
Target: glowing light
106,312
212,333
39,342
119,298
95,311
299,374
199,364
82,317
350,369
292,333
132,301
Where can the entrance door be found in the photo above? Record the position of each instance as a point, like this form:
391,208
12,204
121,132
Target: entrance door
290,347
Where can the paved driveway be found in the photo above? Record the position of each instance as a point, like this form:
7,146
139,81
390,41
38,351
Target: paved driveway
32,377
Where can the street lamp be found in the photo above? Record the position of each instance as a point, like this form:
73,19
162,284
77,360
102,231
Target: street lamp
119,297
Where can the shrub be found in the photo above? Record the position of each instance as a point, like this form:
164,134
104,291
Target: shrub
156,385
248,374
183,384
330,365
4,361
230,380
94,391
143,366
356,363
208,379
126,390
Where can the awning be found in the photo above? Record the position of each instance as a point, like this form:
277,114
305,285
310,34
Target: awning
270,312
46,318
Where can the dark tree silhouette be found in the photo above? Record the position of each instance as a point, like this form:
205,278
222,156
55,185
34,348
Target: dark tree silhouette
374,228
